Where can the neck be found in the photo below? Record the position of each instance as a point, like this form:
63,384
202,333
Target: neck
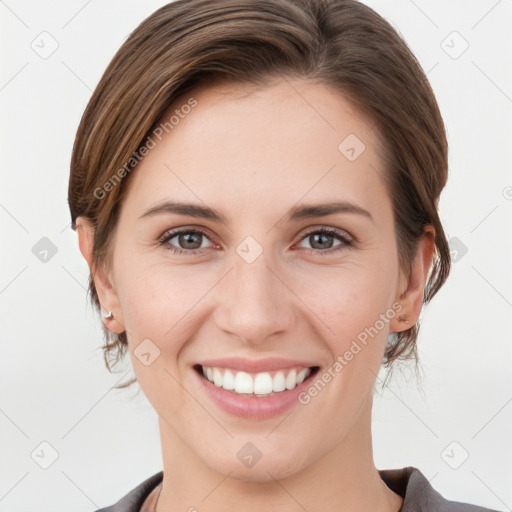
344,479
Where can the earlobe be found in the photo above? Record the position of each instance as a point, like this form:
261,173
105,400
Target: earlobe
411,298
110,307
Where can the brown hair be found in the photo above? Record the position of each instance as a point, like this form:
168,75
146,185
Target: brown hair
190,43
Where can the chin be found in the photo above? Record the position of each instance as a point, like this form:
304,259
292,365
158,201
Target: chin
267,468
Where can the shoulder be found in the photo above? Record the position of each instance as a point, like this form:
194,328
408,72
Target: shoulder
419,495
132,501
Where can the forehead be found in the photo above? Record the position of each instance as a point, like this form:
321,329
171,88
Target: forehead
269,146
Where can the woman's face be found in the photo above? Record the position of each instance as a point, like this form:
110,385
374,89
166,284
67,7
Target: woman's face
261,285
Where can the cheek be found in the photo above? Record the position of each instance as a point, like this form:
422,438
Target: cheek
350,301
157,304
159,300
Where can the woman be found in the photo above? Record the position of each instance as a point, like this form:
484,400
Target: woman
255,189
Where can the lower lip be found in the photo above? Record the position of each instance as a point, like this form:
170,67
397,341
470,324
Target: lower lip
253,407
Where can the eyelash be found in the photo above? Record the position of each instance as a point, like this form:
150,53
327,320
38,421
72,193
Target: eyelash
346,242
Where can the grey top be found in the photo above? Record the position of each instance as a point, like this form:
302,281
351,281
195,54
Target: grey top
409,482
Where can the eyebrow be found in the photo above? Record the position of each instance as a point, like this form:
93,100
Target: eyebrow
320,210
297,213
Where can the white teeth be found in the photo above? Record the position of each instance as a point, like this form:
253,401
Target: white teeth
302,375
291,380
217,377
279,382
229,381
263,384
243,383
260,384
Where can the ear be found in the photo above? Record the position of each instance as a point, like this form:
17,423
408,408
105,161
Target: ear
102,282
411,299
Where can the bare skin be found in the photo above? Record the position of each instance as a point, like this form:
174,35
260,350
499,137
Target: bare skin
253,157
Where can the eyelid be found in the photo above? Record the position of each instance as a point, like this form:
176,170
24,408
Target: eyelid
329,229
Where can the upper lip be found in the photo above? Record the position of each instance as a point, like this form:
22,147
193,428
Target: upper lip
255,365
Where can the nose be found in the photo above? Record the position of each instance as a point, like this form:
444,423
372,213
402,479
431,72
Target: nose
254,302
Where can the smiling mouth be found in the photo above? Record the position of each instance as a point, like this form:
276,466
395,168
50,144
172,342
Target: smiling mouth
262,384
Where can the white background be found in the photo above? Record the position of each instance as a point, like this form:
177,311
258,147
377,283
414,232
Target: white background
54,386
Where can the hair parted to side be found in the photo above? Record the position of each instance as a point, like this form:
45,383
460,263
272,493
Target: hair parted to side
341,43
